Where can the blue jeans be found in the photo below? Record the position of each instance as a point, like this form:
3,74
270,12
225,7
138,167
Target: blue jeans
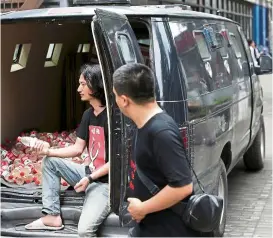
96,206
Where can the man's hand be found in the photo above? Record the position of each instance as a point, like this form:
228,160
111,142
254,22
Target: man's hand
81,185
41,147
136,210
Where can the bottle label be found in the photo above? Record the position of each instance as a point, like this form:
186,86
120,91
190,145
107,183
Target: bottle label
5,173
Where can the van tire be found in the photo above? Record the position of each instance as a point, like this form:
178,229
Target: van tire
222,190
254,157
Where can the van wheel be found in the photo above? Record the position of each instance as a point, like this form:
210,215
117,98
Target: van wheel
221,191
254,157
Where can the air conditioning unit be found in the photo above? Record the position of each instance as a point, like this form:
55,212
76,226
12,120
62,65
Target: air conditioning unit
101,2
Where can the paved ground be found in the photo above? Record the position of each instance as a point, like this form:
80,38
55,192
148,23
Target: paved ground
250,194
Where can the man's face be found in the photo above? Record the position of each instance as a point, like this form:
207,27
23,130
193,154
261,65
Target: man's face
83,89
122,102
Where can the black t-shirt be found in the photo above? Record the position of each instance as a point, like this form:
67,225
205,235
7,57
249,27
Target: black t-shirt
84,130
160,154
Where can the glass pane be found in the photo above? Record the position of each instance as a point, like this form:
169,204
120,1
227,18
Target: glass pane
50,51
144,41
79,48
126,49
235,46
220,41
202,45
86,48
17,53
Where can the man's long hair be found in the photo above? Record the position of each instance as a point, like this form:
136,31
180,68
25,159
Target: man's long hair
93,78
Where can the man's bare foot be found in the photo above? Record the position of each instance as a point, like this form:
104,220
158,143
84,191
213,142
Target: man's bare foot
50,220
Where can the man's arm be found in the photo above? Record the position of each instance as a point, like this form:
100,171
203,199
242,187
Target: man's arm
171,159
70,151
166,198
103,170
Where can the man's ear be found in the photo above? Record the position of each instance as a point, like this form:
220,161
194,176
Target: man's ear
125,100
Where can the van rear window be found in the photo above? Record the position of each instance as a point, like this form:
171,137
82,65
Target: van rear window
202,44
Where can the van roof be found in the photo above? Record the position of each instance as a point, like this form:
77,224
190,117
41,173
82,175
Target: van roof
89,12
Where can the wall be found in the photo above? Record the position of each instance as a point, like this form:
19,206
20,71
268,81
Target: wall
31,97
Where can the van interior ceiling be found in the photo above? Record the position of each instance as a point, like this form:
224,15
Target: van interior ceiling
40,92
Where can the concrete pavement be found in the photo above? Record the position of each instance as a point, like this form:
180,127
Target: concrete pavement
250,194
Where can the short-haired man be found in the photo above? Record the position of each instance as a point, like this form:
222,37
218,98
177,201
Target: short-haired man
96,205
254,52
159,154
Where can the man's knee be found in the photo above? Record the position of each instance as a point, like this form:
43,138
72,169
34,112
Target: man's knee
50,162
84,231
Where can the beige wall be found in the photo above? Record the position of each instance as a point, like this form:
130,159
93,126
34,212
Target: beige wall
31,97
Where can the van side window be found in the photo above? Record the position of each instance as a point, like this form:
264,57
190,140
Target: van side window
192,51
235,46
222,48
239,50
202,44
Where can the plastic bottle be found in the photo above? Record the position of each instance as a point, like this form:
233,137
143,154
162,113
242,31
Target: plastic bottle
7,176
27,140
37,167
19,146
64,134
19,180
4,166
16,172
72,137
34,134
64,183
25,171
64,144
37,179
4,152
28,178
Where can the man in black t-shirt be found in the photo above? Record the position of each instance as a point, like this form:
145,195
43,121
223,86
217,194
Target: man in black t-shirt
159,154
93,179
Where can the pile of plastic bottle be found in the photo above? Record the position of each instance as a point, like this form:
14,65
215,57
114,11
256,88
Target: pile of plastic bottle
20,164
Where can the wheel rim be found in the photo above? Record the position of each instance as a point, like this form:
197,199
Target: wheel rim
221,193
262,144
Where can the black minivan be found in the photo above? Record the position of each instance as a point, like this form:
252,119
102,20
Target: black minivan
206,81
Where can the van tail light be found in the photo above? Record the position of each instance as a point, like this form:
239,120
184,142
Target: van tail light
185,137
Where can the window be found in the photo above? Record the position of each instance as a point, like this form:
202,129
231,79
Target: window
20,57
190,45
50,51
221,45
17,52
79,48
125,48
235,46
83,48
144,42
202,44
53,54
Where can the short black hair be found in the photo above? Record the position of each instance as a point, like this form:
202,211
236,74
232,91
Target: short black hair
93,78
136,81
249,41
